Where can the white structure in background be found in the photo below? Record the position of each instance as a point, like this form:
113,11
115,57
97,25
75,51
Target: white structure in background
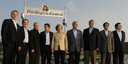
45,11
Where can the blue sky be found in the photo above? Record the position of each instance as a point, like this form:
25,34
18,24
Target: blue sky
112,11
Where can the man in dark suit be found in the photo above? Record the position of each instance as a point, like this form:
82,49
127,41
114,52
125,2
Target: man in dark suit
75,43
24,37
91,43
119,38
34,43
45,44
10,38
106,44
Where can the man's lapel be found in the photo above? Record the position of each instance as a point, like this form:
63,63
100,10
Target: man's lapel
13,25
109,34
104,33
117,35
92,31
77,34
73,33
37,33
122,36
88,31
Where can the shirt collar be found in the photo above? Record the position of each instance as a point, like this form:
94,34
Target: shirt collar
74,30
25,28
46,32
90,28
14,21
118,30
105,30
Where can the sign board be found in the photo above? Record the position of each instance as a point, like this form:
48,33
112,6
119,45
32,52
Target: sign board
44,12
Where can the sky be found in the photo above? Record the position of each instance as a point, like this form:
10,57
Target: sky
82,11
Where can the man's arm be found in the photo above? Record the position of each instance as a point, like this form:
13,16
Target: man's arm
31,40
84,39
113,46
82,42
97,40
52,44
68,38
41,39
19,37
100,40
4,30
124,36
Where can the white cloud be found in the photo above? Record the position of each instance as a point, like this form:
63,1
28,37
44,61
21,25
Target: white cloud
72,7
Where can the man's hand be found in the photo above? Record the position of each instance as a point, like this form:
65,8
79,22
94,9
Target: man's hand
97,49
19,48
66,50
81,50
52,51
32,50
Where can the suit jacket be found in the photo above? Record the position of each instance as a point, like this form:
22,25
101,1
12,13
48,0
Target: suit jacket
91,41
75,44
106,43
22,35
59,41
34,41
119,44
43,40
10,36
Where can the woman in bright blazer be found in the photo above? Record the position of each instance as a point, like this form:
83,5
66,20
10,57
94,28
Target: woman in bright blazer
59,44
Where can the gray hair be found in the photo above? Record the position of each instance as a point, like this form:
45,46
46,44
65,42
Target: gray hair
74,22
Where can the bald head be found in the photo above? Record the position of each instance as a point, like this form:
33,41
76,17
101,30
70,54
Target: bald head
36,25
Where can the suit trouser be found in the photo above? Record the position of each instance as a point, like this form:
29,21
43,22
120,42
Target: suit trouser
9,55
21,57
118,56
105,58
56,55
91,53
46,54
71,57
34,58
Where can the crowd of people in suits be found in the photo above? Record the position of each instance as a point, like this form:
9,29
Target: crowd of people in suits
17,40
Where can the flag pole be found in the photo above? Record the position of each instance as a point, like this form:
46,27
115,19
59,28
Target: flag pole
65,20
65,31
24,5
22,14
